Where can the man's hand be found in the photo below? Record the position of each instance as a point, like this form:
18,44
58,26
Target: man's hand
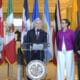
78,51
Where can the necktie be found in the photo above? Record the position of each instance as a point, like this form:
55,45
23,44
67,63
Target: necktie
37,34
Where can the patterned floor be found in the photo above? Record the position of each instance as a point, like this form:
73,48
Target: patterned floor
12,73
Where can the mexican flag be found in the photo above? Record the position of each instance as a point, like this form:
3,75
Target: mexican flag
10,46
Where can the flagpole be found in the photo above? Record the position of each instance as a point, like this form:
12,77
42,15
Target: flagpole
8,73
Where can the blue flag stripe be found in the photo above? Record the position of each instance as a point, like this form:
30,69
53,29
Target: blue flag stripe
46,11
35,11
48,52
26,9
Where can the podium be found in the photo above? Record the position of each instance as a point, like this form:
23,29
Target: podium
35,65
34,48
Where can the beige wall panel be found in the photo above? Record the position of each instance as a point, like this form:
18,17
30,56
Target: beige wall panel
69,13
18,5
63,13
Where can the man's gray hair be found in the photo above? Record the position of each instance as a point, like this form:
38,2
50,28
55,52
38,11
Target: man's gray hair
37,20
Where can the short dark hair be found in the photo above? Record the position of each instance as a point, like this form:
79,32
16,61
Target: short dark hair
67,21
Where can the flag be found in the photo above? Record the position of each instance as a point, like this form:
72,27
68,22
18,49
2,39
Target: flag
57,22
35,13
74,19
2,54
47,26
25,21
10,45
78,21
74,15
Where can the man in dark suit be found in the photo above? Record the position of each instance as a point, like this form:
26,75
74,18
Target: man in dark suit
35,36
77,50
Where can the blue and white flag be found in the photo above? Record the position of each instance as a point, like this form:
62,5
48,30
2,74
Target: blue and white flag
25,21
46,22
35,13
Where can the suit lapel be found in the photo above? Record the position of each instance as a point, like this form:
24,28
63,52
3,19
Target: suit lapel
34,34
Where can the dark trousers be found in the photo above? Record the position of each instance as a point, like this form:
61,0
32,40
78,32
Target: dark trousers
78,66
33,55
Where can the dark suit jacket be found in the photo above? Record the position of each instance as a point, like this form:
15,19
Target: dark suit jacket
77,42
31,38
